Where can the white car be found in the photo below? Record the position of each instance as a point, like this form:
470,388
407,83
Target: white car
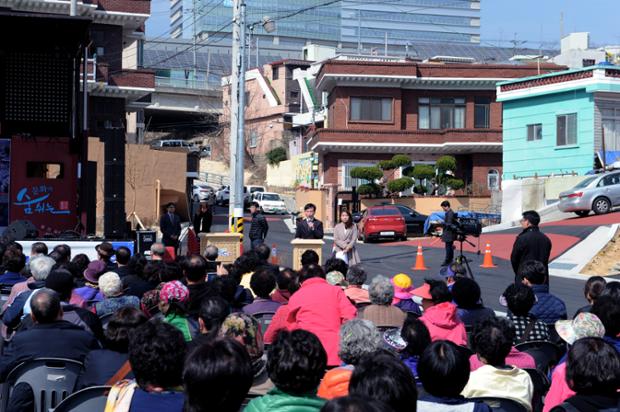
248,193
269,202
222,196
202,191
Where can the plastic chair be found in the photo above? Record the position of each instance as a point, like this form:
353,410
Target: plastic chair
105,319
541,387
264,320
90,399
51,380
545,354
501,404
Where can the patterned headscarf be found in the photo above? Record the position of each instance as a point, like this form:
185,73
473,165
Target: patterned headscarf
245,329
174,291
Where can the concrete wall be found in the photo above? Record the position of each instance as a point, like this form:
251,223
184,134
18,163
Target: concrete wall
143,167
543,157
318,197
282,175
427,205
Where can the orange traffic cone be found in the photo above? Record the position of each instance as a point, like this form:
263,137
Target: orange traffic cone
488,258
275,259
419,259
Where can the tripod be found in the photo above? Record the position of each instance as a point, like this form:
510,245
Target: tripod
461,259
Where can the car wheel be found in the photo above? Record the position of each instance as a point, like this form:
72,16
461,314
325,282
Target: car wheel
582,213
601,205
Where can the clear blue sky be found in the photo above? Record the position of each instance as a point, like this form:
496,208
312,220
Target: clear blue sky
531,20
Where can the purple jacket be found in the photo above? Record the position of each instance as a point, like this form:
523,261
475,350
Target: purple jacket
261,305
89,293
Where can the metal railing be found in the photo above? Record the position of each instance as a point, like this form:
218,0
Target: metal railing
161,81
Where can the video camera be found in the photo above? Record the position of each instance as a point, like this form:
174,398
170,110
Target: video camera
466,226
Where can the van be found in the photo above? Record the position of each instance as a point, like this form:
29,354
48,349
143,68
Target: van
177,143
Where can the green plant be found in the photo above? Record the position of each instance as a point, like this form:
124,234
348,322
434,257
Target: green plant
386,165
400,185
455,184
275,156
422,172
420,189
401,160
369,189
368,173
445,164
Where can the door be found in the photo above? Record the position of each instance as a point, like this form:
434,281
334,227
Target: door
611,188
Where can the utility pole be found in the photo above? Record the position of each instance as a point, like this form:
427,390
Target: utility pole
237,122
73,8
194,37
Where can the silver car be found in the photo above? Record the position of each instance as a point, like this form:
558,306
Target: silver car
599,194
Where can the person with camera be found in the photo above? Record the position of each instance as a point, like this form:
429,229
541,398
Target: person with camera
448,235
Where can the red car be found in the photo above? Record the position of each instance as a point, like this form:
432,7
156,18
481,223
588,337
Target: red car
380,222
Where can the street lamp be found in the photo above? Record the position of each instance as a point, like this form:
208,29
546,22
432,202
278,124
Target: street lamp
269,25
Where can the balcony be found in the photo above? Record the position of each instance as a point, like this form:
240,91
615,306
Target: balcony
124,6
128,83
190,84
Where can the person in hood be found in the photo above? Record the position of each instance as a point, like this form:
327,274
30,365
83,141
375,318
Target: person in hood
440,314
296,364
593,372
403,294
607,308
531,244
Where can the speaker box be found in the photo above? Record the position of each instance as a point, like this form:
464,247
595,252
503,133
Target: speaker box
20,230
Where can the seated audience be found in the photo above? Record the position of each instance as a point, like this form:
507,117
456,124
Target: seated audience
105,251
320,308
593,373
123,255
336,278
195,271
355,404
403,294
81,262
156,356
382,377
520,299
492,340
280,318
548,308
211,255
217,377
584,325
356,277
50,337
90,291
246,265
416,338
467,296
295,365
380,311
336,265
111,286
358,337
263,282
158,251
310,257
63,253
440,315
246,330
607,309
595,285
102,364
13,262
143,277
452,273
173,298
283,279
444,372
212,313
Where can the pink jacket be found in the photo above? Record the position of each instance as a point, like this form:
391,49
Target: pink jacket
443,323
559,390
278,322
521,360
321,308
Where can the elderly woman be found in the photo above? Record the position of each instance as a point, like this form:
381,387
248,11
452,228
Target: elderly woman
358,337
380,311
173,299
356,277
111,286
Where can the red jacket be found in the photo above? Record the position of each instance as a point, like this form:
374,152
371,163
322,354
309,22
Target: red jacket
278,322
321,308
443,323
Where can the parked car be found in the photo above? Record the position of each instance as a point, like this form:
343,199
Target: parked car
222,196
202,191
414,220
599,194
380,222
269,202
177,143
248,193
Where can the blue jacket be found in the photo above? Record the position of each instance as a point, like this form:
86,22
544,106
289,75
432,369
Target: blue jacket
428,403
548,307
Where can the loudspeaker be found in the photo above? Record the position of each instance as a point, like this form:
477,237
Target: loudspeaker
20,230
114,184
144,240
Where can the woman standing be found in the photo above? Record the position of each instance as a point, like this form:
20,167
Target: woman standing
345,238
203,219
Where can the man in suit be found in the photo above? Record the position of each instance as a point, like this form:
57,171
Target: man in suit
170,226
309,227
448,234
531,244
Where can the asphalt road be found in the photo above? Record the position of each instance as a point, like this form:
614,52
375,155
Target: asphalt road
388,259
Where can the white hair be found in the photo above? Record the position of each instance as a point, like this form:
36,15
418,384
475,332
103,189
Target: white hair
110,284
41,266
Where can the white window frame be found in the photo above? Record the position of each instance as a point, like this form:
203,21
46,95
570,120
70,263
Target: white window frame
253,139
534,136
493,173
343,173
565,141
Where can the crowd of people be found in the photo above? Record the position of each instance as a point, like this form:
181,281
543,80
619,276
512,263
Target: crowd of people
191,334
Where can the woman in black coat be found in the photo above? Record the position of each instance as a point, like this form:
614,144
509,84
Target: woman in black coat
203,219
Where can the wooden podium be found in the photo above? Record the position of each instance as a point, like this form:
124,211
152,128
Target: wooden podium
228,245
301,245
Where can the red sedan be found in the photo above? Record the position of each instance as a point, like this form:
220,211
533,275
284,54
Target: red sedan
380,222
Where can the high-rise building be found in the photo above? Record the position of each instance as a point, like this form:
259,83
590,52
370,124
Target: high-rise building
367,22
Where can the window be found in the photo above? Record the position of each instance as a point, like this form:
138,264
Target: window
493,179
247,98
587,62
567,129
378,109
347,181
534,132
482,112
294,95
253,139
45,170
100,51
610,180
275,73
611,128
441,113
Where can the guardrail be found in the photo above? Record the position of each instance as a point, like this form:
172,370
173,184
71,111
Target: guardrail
184,83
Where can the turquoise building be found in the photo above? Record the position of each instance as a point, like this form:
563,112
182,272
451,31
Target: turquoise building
553,123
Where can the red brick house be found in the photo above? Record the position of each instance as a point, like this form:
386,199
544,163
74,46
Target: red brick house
380,108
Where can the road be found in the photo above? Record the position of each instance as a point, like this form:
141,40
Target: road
390,258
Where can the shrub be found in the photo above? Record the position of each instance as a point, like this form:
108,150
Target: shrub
369,189
400,185
455,184
445,163
275,156
386,165
401,160
422,172
368,173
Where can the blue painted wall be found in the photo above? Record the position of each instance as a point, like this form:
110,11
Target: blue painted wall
543,157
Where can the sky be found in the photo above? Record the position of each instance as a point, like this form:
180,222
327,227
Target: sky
504,20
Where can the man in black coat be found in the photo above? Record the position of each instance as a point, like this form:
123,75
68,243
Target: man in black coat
50,337
170,226
448,234
258,226
531,244
309,227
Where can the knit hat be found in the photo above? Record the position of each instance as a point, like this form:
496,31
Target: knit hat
585,325
173,291
245,329
94,270
403,287
423,291
335,278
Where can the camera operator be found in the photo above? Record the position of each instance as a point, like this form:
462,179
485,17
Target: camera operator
448,234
